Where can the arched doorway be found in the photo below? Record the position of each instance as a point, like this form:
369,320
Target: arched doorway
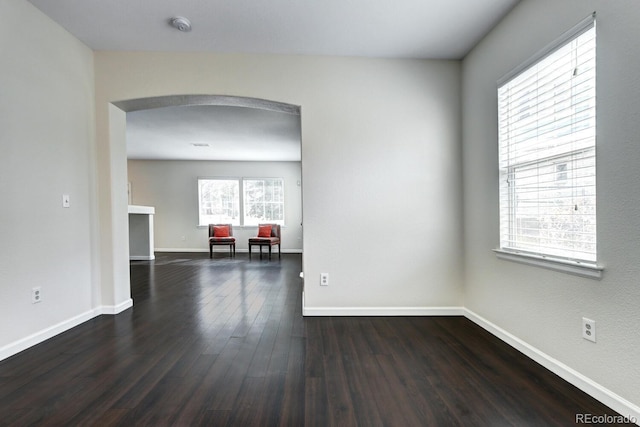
116,229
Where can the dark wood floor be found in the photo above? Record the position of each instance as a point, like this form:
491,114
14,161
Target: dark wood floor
223,342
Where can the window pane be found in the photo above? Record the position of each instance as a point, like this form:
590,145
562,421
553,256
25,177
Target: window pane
263,201
553,207
219,201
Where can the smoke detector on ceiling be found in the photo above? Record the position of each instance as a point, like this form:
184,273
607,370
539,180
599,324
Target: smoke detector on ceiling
181,23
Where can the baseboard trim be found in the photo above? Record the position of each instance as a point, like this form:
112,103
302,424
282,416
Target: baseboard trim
595,390
185,250
142,258
198,250
43,335
116,309
50,332
382,311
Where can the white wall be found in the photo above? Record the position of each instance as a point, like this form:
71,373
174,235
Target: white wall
47,143
544,308
171,187
380,163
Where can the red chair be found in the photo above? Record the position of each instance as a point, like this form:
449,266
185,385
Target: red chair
268,235
221,234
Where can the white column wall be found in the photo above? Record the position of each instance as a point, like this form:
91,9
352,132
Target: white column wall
380,163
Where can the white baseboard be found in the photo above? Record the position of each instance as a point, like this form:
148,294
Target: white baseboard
382,311
198,250
50,332
185,250
595,390
115,309
141,258
43,335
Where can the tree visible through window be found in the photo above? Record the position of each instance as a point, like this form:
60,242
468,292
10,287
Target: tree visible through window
219,201
547,157
246,201
263,201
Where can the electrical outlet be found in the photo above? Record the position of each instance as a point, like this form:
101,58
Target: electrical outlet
324,279
589,329
36,295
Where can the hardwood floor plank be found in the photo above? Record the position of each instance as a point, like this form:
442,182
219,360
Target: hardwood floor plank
316,403
340,405
360,387
314,366
293,408
248,404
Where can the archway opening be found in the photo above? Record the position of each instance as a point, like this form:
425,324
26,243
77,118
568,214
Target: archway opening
119,174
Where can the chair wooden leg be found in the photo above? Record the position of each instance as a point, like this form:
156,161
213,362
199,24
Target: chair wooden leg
260,251
249,251
210,251
279,254
269,252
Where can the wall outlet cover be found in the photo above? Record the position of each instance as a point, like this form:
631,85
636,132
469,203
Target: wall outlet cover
589,329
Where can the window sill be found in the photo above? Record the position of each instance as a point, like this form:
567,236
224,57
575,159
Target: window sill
591,271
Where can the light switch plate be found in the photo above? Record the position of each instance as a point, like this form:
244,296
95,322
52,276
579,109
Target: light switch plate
66,201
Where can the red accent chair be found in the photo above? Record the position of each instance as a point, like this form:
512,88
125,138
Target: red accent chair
266,239
221,234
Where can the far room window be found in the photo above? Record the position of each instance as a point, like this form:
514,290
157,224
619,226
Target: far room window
263,200
219,201
240,201
547,151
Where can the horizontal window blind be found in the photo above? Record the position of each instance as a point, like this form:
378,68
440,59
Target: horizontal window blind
547,123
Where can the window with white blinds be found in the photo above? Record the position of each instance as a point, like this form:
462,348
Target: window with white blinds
547,157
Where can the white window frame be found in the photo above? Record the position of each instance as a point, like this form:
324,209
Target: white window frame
234,218
534,154
242,209
265,202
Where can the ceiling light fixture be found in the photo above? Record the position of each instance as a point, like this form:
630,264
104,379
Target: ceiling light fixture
181,23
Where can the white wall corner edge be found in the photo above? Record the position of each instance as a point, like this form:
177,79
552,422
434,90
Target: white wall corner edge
587,385
382,311
22,344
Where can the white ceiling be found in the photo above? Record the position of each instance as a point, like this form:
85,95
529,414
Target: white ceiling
372,28
436,29
218,132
